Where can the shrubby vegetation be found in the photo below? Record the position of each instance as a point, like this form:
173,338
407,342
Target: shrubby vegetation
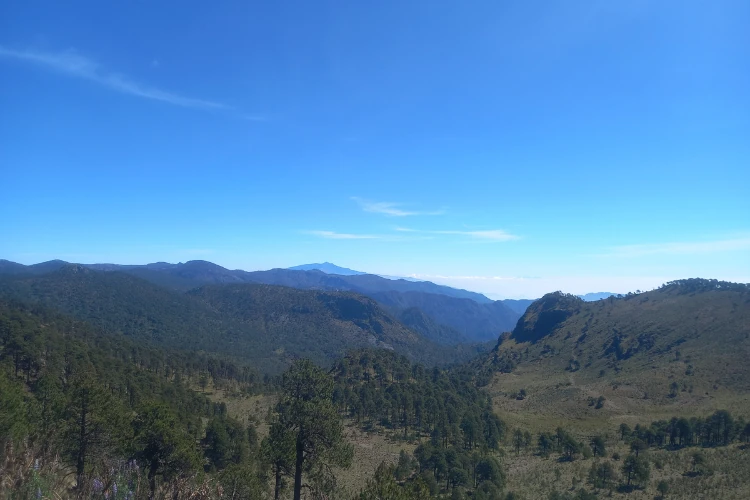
693,285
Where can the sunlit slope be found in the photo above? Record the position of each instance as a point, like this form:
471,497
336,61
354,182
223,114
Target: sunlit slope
683,348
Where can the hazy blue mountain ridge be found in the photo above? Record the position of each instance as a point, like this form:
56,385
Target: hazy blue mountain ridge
327,268
455,315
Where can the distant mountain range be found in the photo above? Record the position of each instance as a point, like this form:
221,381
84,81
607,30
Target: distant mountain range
472,320
591,297
362,283
263,325
327,268
191,274
455,315
518,305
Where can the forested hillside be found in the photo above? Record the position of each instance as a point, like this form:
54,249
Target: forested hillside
78,403
321,325
454,316
419,321
263,326
476,321
195,273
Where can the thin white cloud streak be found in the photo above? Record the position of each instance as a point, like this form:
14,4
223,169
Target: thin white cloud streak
680,248
391,209
331,235
486,235
491,235
78,66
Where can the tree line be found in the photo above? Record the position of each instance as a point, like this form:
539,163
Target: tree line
718,429
380,389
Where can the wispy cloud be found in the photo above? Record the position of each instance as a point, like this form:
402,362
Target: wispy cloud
75,65
391,209
485,235
332,235
492,234
681,248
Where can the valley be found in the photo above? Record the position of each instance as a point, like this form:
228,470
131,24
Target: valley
423,411
375,250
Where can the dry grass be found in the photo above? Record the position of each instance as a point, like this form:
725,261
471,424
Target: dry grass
559,398
370,450
246,409
725,477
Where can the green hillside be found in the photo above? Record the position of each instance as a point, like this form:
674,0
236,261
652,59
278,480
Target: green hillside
319,325
680,348
83,411
416,319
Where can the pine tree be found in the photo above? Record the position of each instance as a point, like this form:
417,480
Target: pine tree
278,451
226,442
95,424
635,469
306,410
163,445
598,446
602,475
13,410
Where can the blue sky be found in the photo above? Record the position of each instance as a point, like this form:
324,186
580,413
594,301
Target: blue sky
512,148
